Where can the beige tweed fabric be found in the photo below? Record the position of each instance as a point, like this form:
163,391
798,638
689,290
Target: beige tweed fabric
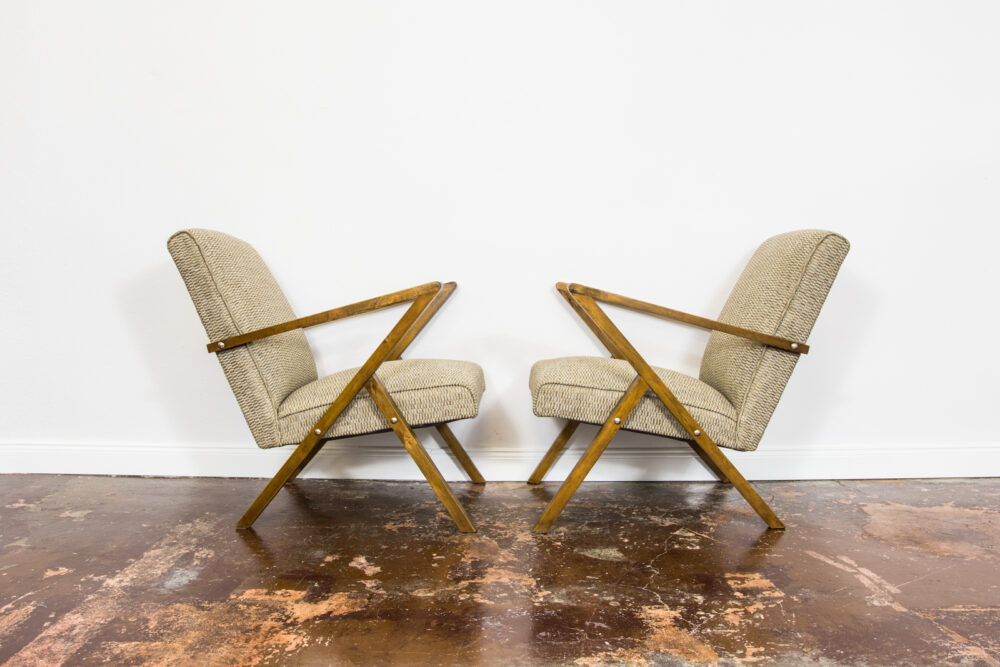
780,292
587,388
234,292
275,379
427,391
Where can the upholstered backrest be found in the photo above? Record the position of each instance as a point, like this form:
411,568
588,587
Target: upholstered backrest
235,293
780,292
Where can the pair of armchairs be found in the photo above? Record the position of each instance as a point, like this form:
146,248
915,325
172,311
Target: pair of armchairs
751,352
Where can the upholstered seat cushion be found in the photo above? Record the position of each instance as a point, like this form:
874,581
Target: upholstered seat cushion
586,389
427,391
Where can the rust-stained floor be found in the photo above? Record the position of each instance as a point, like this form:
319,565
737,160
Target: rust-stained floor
151,571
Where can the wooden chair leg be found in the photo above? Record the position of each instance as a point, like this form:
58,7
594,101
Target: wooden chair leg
589,458
709,463
302,465
463,457
554,451
393,344
619,344
409,439
712,451
302,455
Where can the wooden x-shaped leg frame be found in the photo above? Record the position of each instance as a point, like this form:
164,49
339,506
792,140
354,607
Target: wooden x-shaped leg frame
426,301
584,300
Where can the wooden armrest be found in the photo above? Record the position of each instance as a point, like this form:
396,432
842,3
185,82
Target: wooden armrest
367,306
678,316
425,316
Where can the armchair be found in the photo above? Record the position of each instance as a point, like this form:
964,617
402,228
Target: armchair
271,370
750,355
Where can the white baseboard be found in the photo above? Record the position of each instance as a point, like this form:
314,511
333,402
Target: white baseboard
365,459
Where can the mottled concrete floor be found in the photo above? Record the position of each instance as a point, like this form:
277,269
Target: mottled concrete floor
151,571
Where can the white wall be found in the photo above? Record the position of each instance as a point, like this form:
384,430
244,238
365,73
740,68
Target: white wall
642,147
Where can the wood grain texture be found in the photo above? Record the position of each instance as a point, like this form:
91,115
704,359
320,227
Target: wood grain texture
425,298
313,440
677,409
558,445
608,431
565,294
430,311
416,450
708,462
694,320
300,457
463,457
366,306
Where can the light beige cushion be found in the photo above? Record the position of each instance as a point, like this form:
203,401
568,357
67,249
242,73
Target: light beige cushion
427,391
234,292
586,389
780,292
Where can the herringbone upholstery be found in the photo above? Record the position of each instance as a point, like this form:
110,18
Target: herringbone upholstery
427,391
234,292
780,292
586,389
